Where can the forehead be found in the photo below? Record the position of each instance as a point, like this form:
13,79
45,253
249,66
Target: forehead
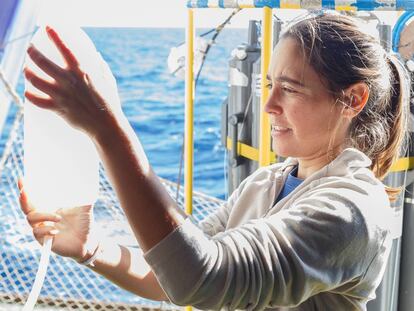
288,60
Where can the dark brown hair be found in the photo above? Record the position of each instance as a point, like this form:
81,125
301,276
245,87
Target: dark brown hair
342,54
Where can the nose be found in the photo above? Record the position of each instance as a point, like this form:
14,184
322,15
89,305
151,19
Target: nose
272,105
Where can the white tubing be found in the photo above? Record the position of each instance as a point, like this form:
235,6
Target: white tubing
40,275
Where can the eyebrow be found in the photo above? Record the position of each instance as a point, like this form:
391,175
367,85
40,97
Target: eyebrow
286,79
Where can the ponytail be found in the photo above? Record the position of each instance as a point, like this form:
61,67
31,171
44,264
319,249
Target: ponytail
396,119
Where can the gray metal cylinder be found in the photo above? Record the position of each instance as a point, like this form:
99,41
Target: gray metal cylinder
406,286
387,292
239,106
385,34
245,101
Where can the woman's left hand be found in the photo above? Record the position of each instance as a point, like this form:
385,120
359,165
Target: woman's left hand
72,94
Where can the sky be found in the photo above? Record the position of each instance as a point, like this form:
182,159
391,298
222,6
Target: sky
135,13
149,13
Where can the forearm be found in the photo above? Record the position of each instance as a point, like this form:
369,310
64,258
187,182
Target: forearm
127,268
150,210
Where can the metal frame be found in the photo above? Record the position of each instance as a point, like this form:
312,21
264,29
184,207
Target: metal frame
339,5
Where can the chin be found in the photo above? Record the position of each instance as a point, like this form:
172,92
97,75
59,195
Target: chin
282,151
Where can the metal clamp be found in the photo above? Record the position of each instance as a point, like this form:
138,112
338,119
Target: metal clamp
234,120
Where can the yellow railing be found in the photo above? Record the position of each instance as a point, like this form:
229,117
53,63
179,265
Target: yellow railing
251,153
189,117
189,114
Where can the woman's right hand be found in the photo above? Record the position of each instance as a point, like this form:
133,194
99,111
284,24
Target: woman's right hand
71,228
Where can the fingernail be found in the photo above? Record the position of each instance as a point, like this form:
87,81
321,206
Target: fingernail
54,231
58,218
49,30
23,195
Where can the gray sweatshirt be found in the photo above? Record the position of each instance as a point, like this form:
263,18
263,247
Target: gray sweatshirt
323,247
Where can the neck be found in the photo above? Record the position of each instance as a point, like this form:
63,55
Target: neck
309,165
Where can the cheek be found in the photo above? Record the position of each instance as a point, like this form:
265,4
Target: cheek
314,122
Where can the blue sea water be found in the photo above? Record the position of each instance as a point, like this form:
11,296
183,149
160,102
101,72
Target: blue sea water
153,99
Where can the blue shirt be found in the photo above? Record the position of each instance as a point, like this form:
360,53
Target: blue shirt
291,183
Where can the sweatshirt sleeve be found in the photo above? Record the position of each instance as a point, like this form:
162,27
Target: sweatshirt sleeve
318,244
216,222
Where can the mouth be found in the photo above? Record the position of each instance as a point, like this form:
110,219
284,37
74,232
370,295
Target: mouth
280,129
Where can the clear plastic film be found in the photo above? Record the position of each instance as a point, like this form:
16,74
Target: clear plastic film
61,163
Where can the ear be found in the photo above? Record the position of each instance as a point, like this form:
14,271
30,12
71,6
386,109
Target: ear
355,99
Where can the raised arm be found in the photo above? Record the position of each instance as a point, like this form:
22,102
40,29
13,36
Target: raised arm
149,208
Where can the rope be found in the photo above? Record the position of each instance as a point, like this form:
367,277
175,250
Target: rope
13,136
16,98
17,120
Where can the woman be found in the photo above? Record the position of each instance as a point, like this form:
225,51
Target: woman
307,234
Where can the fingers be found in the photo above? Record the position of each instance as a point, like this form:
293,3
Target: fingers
41,232
45,64
26,206
41,102
40,222
41,84
38,218
34,218
20,184
67,54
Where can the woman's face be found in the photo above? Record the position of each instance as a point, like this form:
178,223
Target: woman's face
303,113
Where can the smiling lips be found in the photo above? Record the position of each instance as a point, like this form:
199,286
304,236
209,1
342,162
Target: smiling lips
277,129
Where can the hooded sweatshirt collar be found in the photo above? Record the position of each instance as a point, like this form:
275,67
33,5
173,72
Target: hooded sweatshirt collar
348,159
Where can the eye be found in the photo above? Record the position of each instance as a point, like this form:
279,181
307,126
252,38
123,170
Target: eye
288,90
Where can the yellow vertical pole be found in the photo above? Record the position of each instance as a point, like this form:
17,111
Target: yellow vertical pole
264,142
189,117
